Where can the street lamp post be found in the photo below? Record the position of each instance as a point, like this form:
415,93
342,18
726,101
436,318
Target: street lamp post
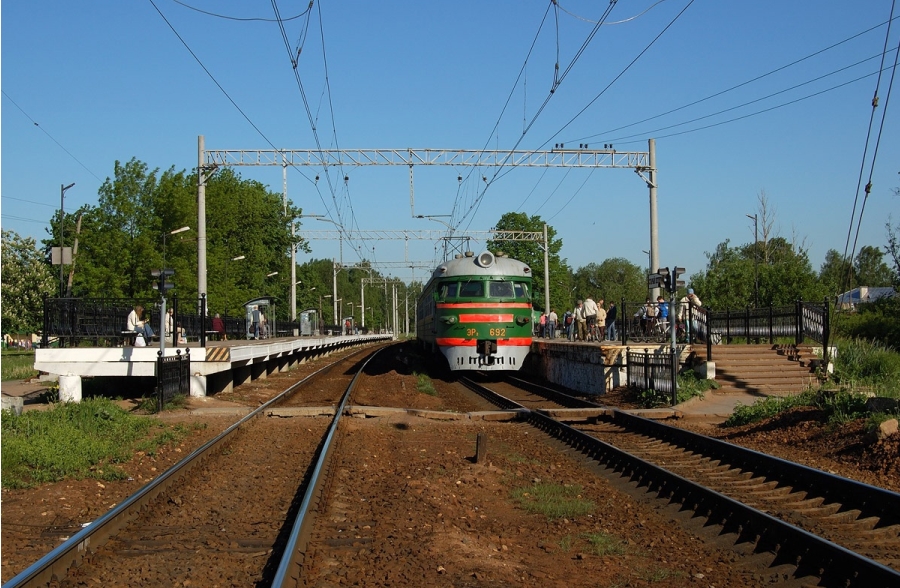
227,283
755,258
62,232
321,296
175,232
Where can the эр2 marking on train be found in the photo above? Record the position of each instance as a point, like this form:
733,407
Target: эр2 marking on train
477,312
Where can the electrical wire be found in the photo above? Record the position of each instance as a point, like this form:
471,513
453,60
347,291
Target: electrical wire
623,21
473,210
868,187
28,201
52,138
732,88
754,101
257,19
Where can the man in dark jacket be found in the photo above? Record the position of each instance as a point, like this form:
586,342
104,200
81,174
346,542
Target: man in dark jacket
611,322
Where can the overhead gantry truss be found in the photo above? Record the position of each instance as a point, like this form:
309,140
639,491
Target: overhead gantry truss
591,158
426,235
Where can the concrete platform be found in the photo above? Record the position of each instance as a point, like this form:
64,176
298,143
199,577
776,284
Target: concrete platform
215,368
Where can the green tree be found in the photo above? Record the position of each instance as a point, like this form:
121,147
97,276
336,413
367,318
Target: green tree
26,280
532,253
612,280
785,275
834,273
871,270
893,248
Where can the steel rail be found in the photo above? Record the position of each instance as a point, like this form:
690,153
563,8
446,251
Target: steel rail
288,573
810,554
871,501
57,562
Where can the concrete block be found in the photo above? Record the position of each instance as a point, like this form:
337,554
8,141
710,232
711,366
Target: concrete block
13,403
70,388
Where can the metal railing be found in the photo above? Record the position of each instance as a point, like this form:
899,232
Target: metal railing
101,322
653,371
173,377
798,322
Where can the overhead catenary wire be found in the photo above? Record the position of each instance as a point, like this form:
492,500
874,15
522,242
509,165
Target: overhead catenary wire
868,187
735,87
473,209
52,138
340,222
244,19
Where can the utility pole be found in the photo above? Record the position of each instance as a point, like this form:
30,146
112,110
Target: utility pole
755,258
62,232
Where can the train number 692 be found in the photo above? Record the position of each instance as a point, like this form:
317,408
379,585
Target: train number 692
498,332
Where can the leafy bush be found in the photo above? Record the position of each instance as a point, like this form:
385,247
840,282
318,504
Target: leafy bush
877,321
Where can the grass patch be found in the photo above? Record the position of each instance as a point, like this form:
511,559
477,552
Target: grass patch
424,385
149,404
604,544
78,440
555,501
17,366
861,363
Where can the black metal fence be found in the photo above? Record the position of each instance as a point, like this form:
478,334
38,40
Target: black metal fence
798,322
101,322
653,371
173,377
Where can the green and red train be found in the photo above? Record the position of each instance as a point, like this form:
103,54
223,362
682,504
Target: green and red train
476,311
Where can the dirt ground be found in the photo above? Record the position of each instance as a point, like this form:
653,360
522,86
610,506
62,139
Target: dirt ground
467,508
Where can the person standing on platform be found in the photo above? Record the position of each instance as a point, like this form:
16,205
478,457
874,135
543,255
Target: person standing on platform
580,322
683,311
170,323
218,325
552,319
611,322
569,322
590,316
601,321
542,332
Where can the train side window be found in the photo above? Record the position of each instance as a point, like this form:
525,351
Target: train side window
501,290
471,290
521,290
448,290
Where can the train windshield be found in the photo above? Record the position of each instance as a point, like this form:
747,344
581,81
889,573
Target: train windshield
471,290
501,290
522,290
448,290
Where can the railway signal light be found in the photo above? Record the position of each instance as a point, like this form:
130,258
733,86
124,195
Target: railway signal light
676,283
665,278
162,284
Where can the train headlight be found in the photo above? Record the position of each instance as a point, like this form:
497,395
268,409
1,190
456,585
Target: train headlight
486,259
522,320
450,320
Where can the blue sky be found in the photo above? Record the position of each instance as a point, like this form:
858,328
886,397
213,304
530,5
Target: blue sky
107,81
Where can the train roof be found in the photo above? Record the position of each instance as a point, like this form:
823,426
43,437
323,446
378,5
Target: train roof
483,264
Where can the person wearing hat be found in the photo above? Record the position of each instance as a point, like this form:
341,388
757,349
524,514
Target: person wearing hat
690,300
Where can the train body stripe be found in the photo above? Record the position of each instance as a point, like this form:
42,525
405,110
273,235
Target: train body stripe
456,305
461,342
485,318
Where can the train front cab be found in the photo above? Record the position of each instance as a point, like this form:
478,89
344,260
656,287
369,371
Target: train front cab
483,322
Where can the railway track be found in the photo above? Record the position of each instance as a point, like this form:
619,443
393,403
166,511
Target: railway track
231,513
827,529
